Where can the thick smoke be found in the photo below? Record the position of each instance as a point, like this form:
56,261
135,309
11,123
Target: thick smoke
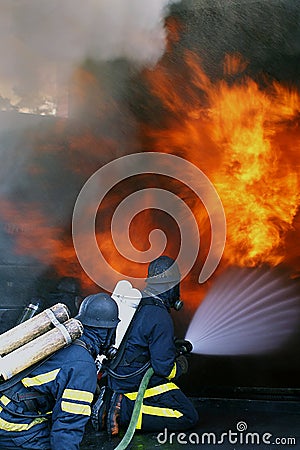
41,44
40,39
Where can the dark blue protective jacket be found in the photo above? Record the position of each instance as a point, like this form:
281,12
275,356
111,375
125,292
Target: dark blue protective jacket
151,338
68,382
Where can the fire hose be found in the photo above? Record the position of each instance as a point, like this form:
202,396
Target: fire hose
123,444
183,347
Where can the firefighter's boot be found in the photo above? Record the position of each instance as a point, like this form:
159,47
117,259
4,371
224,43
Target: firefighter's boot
113,417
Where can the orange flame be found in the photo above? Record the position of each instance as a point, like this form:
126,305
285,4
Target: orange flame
233,132
45,244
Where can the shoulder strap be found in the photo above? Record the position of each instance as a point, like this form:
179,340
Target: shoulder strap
8,384
6,387
119,356
23,415
16,378
80,343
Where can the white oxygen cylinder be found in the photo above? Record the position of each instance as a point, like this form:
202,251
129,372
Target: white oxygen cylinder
127,299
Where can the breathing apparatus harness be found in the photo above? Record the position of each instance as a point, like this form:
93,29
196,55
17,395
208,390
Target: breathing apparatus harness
117,357
9,388
111,364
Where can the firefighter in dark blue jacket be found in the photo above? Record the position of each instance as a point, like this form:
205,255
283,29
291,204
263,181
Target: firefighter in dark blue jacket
49,408
150,341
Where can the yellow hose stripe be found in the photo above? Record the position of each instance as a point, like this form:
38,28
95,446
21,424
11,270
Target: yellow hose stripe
9,426
74,394
163,412
74,408
43,378
154,391
173,372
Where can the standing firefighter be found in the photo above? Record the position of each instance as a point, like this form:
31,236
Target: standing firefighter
149,340
50,406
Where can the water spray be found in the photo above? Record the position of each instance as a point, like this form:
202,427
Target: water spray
247,311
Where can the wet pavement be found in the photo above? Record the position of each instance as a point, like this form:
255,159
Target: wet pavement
231,424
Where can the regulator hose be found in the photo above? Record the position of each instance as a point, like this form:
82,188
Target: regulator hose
136,411
128,375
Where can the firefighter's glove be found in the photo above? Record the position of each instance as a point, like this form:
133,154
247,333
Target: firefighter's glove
183,363
183,347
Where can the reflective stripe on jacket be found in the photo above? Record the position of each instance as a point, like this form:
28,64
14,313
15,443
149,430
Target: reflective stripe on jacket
67,381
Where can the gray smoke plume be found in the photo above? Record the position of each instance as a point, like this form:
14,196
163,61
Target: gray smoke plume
37,36
43,42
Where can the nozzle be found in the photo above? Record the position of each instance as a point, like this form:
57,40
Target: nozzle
183,346
178,305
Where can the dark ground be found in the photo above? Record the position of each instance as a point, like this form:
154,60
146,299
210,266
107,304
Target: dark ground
280,419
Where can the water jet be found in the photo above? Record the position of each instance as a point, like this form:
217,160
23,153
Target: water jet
247,311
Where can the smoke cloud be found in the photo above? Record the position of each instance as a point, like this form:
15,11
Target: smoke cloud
36,36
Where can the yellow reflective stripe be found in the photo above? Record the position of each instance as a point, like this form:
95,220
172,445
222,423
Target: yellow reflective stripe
74,394
132,395
160,389
163,412
173,372
9,426
156,411
153,391
139,421
75,408
4,400
42,378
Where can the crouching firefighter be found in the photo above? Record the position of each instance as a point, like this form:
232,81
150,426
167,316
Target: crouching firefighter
49,406
148,341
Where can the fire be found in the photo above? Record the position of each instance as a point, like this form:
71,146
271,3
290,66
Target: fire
45,244
243,135
233,131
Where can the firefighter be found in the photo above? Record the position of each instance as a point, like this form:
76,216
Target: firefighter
150,341
50,406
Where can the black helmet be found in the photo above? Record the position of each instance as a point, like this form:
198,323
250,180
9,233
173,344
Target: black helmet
99,311
163,278
163,270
